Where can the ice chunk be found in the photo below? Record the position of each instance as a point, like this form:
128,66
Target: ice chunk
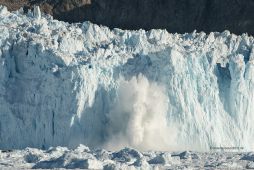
37,12
250,165
126,155
185,155
3,10
82,148
92,164
142,163
249,156
164,159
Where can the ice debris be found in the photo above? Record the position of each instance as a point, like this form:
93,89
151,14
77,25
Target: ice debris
249,156
64,158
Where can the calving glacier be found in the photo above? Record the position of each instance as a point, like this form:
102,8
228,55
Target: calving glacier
70,84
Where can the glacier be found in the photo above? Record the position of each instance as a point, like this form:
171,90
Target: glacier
67,84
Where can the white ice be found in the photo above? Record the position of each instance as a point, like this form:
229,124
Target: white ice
68,84
125,159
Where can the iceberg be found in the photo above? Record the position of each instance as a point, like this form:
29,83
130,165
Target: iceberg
68,84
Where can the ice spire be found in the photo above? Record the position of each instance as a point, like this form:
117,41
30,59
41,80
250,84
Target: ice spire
3,10
37,12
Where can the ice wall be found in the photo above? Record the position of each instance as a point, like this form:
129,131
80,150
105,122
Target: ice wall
66,84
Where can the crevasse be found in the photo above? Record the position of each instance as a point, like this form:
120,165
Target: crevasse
66,84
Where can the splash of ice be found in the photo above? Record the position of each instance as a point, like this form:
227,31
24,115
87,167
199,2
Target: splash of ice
138,116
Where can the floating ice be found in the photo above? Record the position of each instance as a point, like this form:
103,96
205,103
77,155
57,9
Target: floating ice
125,159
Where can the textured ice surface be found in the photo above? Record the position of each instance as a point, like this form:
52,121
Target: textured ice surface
125,159
66,84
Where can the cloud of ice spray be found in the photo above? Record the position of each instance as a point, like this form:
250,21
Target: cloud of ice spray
139,117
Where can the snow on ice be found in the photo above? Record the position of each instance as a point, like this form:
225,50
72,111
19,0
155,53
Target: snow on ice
126,159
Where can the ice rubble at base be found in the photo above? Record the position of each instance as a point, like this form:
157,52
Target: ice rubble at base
66,84
126,159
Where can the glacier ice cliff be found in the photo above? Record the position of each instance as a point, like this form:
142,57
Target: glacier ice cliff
66,84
